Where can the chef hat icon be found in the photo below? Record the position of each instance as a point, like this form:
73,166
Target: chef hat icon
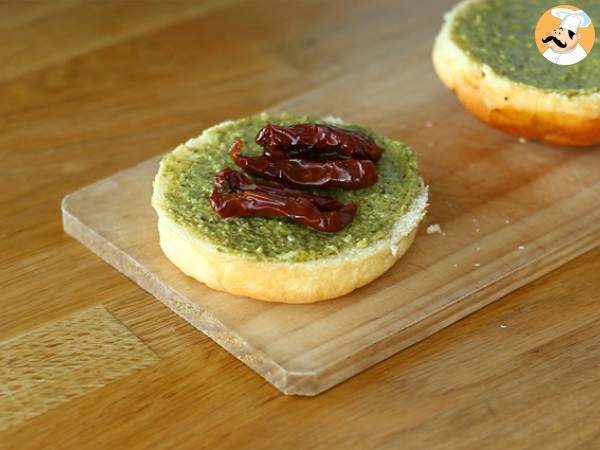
572,20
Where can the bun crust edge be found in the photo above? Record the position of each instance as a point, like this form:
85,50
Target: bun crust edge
518,109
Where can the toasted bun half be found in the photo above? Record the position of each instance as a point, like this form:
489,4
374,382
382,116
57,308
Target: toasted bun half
284,282
514,107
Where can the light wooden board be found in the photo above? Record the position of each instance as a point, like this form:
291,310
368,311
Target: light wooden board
527,219
510,212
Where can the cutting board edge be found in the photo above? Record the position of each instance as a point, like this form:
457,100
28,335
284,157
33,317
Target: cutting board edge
453,313
311,382
287,382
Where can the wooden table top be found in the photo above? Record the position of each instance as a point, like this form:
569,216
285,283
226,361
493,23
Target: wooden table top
89,360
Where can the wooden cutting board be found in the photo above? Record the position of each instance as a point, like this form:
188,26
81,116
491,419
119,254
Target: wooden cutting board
509,210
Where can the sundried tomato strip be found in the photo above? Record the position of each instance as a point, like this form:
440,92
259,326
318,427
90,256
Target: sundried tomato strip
236,195
317,141
343,173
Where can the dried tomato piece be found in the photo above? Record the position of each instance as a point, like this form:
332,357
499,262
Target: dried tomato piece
344,173
236,195
317,141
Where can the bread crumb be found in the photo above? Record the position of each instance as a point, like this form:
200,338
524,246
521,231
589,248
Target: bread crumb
455,265
435,228
478,249
507,221
503,325
477,230
521,247
477,265
430,144
522,140
429,124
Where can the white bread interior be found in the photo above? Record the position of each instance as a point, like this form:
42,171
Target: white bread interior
516,108
295,282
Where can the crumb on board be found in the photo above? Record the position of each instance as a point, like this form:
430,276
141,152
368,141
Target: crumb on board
429,124
522,140
430,144
478,249
477,230
477,265
503,325
507,221
521,247
435,228
455,265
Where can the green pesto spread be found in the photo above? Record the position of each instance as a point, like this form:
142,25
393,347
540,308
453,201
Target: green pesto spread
500,34
188,174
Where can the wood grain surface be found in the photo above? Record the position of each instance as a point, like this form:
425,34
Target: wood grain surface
521,373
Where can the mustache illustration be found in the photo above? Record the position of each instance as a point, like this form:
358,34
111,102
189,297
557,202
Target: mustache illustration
556,41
